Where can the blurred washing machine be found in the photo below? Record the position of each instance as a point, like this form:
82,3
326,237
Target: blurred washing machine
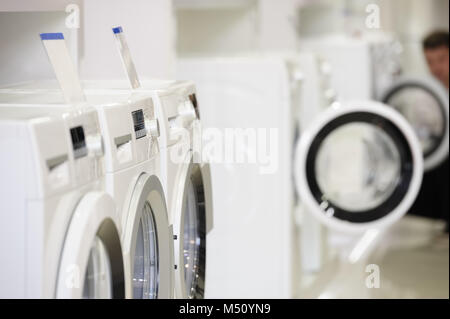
358,169
132,178
59,231
424,102
370,68
250,248
358,166
363,67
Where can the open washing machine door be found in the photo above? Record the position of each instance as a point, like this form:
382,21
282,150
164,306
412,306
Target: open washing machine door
192,203
358,166
424,103
91,265
147,243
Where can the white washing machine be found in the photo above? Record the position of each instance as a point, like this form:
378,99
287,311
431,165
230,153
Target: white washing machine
59,231
362,68
358,170
129,131
250,248
358,166
423,101
370,68
133,177
188,184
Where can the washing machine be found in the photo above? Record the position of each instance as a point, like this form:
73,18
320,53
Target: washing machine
370,68
59,231
362,67
250,248
423,101
358,166
358,169
132,176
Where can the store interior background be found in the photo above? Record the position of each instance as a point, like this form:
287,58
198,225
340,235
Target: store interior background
160,31
163,30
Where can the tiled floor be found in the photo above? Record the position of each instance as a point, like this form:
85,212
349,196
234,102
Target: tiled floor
413,262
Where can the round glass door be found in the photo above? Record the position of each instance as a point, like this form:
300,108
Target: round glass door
146,263
98,278
369,178
91,264
425,107
194,237
358,165
148,242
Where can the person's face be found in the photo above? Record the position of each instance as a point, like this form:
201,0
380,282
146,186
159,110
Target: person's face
437,60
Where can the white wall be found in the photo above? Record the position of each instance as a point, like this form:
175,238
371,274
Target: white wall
217,28
277,24
149,28
22,56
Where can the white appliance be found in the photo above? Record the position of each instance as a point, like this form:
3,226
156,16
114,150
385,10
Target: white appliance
132,177
362,68
370,68
358,170
59,231
423,101
358,166
250,248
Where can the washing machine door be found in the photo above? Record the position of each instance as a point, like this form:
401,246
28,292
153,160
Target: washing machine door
190,228
358,166
148,242
91,264
424,104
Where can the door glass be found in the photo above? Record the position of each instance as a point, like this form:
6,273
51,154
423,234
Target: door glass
98,278
423,111
192,240
146,264
357,167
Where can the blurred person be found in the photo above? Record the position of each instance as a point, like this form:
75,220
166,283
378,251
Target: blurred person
433,198
435,47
